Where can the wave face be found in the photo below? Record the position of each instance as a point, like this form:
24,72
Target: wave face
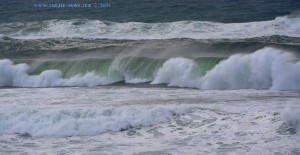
267,68
96,29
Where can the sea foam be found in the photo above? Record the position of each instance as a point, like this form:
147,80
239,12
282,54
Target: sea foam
69,122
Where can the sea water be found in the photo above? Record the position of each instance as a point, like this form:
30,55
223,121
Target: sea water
150,77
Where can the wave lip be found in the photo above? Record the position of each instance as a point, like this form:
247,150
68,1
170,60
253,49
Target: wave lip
96,29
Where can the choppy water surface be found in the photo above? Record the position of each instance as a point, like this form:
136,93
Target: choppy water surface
150,77
143,120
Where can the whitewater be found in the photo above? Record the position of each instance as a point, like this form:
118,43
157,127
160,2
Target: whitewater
148,120
97,29
92,86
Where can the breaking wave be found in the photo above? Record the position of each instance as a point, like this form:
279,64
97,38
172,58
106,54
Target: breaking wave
267,68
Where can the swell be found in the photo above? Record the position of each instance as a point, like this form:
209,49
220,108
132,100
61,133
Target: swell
267,68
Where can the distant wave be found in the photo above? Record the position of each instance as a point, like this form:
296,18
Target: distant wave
267,68
96,29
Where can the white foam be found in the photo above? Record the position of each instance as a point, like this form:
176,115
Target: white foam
292,116
95,29
176,72
68,122
15,75
267,68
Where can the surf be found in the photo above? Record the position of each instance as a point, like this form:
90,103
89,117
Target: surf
267,68
79,122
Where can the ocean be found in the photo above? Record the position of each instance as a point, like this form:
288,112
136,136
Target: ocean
150,77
